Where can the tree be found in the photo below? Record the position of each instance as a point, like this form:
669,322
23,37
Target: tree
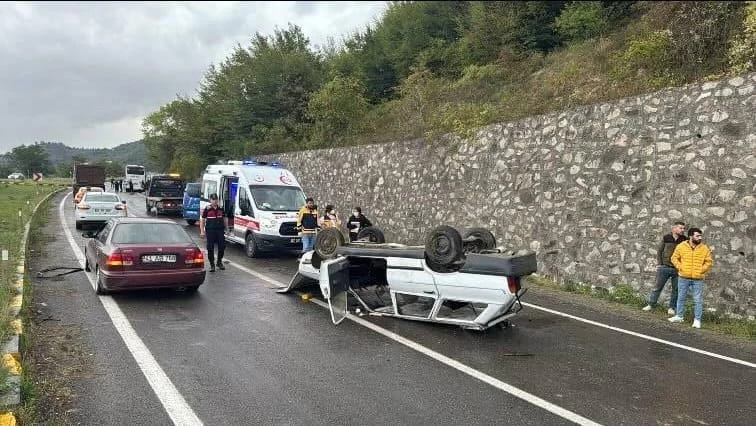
30,159
338,108
582,20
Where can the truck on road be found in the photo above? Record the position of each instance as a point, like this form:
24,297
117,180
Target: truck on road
165,194
88,175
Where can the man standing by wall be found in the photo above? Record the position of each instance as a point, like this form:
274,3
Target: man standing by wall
666,270
693,261
307,222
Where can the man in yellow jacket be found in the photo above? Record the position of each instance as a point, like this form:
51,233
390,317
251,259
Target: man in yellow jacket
307,222
693,260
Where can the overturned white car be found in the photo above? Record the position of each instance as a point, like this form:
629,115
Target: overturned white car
465,281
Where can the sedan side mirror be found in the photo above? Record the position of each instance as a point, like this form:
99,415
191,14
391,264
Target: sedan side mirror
89,234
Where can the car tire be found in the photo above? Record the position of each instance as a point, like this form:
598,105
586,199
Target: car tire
191,289
250,246
371,234
443,246
78,225
327,241
191,222
482,239
100,289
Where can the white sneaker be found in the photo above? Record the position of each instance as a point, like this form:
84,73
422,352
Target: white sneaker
648,308
670,311
696,324
675,319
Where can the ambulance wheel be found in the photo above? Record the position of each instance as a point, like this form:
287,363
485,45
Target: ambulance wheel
443,246
250,246
191,222
371,234
327,241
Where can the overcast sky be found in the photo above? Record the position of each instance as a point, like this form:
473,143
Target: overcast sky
87,73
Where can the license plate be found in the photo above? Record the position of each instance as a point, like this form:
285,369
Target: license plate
295,240
156,258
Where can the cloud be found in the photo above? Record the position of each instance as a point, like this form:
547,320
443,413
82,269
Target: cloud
86,73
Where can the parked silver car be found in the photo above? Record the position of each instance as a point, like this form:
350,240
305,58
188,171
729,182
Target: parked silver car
99,207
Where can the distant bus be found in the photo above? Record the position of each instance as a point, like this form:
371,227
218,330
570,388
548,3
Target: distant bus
135,175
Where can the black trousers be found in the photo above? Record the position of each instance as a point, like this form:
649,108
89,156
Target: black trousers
215,236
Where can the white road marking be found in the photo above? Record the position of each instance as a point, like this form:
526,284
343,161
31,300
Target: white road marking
643,336
175,404
528,397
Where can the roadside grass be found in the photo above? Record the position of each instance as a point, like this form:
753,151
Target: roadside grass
17,201
27,412
624,294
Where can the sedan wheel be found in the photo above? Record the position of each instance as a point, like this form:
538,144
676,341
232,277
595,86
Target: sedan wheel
100,289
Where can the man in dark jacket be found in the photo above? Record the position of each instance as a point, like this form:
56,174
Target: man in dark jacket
356,223
666,270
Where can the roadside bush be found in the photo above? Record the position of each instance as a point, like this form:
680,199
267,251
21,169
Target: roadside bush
581,21
743,46
647,55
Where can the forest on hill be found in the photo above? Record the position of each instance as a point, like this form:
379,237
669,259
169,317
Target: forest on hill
433,67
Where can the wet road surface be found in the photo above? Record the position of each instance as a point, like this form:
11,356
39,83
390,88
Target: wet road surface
240,353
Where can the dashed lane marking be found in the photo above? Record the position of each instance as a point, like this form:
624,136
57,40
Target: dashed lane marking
528,397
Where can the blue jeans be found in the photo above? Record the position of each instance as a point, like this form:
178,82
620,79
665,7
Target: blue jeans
664,273
308,242
682,291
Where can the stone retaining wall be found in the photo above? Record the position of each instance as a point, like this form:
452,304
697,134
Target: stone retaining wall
591,189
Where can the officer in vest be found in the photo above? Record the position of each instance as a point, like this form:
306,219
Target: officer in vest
213,226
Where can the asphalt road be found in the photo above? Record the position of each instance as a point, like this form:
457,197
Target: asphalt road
239,353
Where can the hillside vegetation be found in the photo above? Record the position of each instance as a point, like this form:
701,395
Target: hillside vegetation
56,159
427,68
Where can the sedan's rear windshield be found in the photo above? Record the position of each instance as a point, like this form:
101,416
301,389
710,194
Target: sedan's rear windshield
93,197
149,233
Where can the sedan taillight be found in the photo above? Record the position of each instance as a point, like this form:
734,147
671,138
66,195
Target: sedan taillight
195,258
119,259
82,206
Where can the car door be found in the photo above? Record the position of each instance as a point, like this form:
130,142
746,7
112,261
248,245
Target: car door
98,243
334,283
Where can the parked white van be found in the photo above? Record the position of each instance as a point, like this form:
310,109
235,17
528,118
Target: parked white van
262,200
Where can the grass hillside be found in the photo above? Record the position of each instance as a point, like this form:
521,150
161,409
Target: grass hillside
427,68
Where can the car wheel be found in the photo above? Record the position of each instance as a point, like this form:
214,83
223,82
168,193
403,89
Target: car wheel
372,234
250,247
78,225
100,288
327,241
192,289
478,239
191,222
443,246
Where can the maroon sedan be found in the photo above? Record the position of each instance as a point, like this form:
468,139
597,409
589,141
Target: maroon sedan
132,253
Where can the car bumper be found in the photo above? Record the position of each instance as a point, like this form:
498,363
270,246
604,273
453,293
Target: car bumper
274,242
134,280
96,219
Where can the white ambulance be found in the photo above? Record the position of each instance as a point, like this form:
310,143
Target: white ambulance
262,200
